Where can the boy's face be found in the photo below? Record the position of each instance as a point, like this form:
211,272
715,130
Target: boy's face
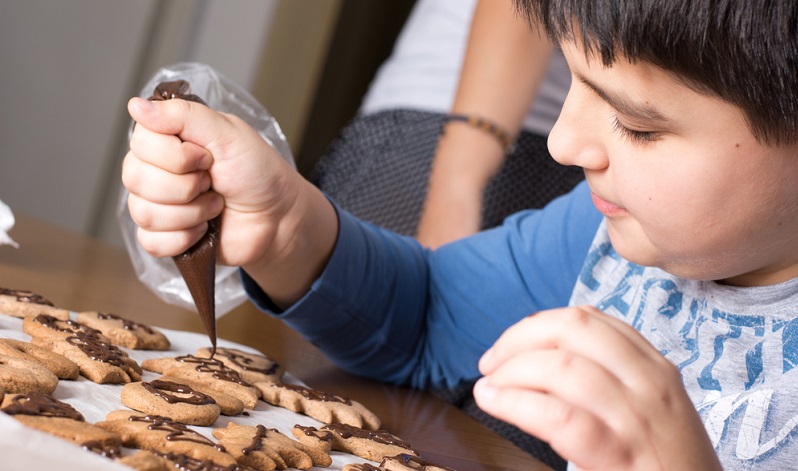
682,181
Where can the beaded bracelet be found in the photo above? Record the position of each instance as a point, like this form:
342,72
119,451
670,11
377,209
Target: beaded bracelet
489,127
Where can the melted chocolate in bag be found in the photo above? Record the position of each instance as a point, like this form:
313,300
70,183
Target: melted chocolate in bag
197,265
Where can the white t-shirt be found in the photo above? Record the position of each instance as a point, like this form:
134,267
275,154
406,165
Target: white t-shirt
424,69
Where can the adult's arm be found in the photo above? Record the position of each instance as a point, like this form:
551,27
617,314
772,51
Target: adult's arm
503,68
386,308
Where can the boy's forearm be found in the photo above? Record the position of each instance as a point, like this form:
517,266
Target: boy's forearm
305,239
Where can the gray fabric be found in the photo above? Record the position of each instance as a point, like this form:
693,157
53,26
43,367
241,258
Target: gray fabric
379,167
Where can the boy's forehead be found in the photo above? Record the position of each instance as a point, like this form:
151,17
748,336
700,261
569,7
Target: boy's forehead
622,79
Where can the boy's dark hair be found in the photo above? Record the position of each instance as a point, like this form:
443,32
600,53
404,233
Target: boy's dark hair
743,51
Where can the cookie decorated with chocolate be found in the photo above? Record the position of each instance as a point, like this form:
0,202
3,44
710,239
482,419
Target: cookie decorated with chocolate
45,413
18,375
229,405
23,303
46,330
61,366
98,359
401,462
266,449
169,399
322,406
372,445
163,435
124,332
253,367
210,372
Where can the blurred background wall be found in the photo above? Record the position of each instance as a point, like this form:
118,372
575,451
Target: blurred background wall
67,70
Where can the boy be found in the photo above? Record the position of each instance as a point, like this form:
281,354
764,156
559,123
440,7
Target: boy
677,350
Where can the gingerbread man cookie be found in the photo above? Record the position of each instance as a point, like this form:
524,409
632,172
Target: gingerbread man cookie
322,406
124,332
267,449
372,445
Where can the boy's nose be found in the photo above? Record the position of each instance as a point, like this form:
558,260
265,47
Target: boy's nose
575,138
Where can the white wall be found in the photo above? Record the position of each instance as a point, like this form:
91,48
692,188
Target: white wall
67,69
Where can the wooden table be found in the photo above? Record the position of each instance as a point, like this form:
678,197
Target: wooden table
80,273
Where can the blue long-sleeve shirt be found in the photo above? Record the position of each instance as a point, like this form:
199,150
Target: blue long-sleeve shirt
386,308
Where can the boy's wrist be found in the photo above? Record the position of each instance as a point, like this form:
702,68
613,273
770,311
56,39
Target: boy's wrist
302,244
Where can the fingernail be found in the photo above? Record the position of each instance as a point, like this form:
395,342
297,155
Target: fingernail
484,390
485,361
145,105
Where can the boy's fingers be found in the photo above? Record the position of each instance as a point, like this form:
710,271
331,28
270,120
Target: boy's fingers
571,430
582,330
169,244
565,375
188,120
169,152
153,184
166,217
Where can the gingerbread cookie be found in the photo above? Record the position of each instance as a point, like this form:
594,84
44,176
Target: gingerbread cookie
162,435
228,404
61,366
320,405
25,376
23,303
97,358
106,450
124,332
46,330
267,449
168,399
210,372
401,462
144,460
45,413
372,445
253,368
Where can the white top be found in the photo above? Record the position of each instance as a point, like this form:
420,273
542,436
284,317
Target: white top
424,69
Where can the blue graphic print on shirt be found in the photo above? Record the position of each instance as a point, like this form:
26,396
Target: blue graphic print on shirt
736,348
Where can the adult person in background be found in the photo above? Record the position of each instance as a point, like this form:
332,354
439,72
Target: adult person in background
461,89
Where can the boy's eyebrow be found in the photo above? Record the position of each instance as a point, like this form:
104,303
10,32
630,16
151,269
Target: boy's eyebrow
622,105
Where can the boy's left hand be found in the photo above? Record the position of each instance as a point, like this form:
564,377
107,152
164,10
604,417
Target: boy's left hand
596,390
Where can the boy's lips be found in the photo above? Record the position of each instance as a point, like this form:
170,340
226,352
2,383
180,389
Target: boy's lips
605,207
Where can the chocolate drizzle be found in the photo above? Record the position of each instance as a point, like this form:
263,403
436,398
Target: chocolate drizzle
314,394
68,326
126,324
96,349
187,463
42,405
175,431
311,432
257,441
104,450
414,462
365,467
164,390
197,265
25,296
217,367
244,362
378,436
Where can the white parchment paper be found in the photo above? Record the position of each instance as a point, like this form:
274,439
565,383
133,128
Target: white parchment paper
22,448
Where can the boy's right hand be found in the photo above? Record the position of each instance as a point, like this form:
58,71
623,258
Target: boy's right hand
275,225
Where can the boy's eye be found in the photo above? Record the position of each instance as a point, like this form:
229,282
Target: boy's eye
637,137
